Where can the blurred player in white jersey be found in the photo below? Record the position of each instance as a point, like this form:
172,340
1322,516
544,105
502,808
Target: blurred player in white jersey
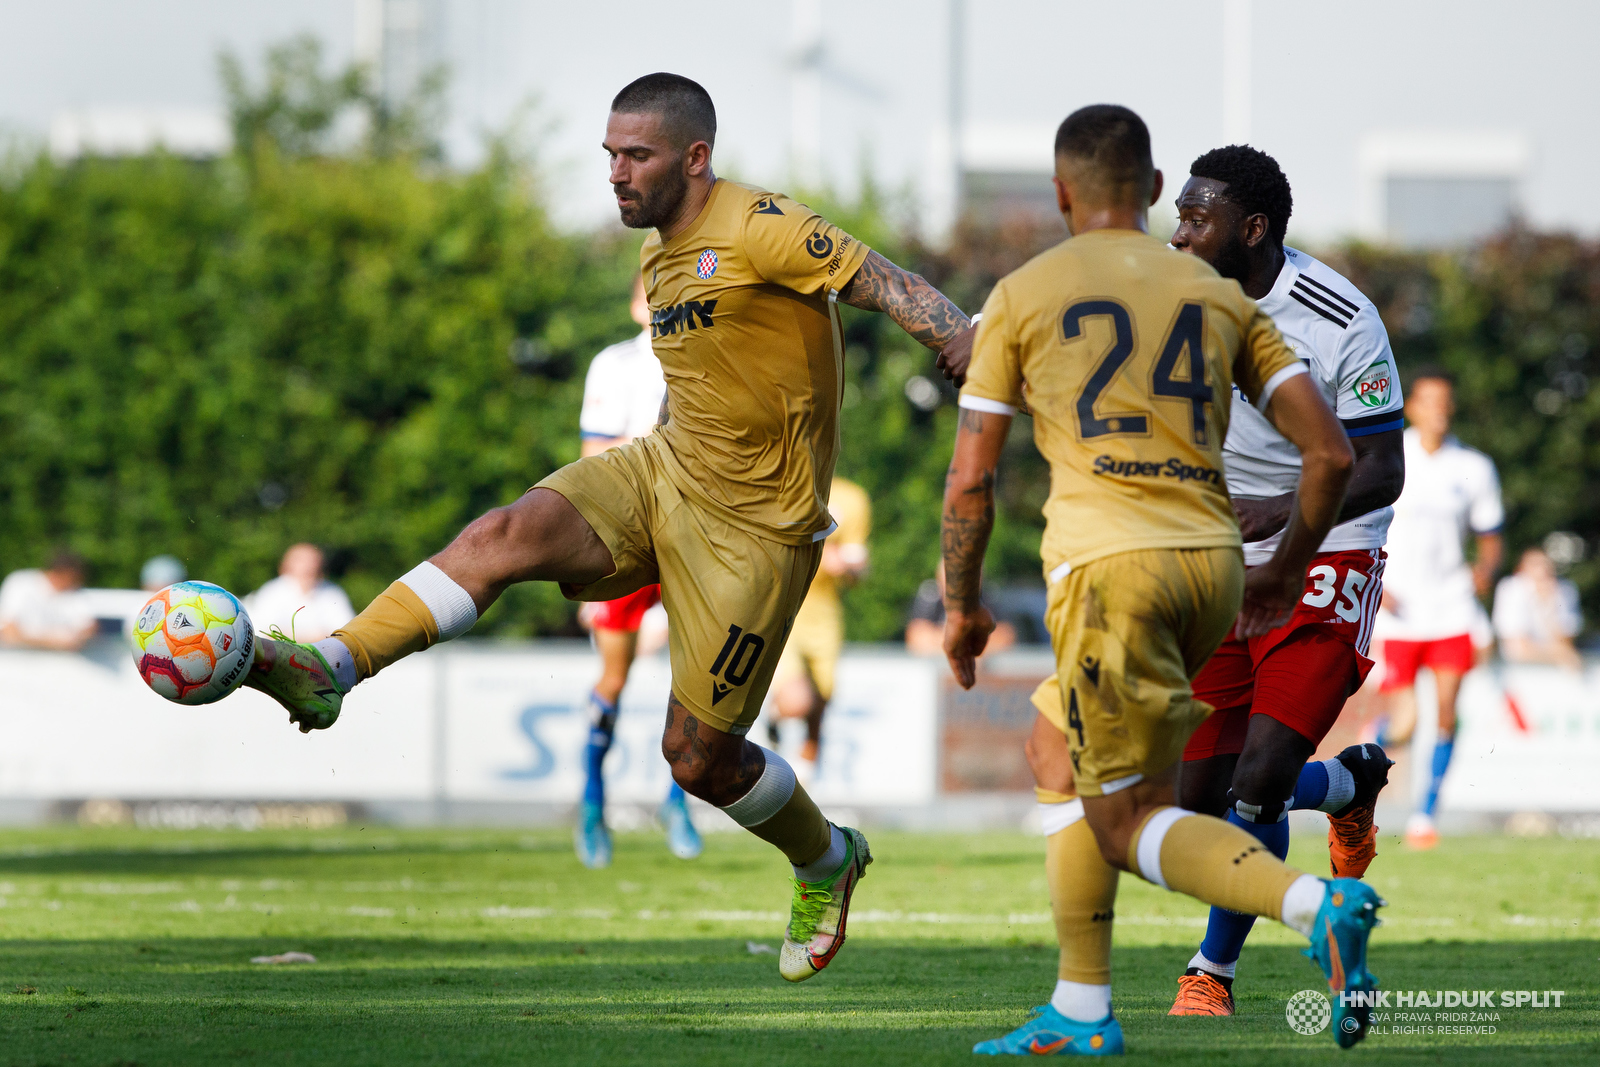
1430,596
1277,695
622,397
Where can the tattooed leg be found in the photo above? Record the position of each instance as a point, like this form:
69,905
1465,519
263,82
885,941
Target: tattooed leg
755,787
717,767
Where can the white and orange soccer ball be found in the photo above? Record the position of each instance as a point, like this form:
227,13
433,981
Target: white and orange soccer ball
193,643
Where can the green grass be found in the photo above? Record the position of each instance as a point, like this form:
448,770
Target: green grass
133,947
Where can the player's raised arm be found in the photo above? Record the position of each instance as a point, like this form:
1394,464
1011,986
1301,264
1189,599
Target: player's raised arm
1299,412
917,308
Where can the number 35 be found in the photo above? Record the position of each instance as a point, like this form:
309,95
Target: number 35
1322,592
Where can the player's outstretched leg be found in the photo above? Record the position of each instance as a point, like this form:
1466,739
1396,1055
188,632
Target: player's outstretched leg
541,537
758,790
1139,830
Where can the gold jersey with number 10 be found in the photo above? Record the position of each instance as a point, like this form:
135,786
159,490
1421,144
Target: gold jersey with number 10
742,321
1125,350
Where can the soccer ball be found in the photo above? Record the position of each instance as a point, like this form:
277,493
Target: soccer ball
193,643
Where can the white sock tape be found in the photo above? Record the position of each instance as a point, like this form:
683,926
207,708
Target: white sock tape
771,792
1155,831
1054,818
453,610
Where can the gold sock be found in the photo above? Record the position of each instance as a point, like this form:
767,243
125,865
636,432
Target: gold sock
1050,796
392,627
1083,888
797,828
1218,863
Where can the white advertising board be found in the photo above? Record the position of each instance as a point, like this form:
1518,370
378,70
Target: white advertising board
1498,766
484,722
86,726
517,726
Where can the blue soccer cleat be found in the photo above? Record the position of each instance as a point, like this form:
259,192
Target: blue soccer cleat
591,837
1049,1033
1339,946
683,840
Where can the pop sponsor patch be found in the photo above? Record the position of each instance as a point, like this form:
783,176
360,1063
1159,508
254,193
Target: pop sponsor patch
1373,387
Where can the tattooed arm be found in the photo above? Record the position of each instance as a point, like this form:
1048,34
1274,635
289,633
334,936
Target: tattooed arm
916,307
964,534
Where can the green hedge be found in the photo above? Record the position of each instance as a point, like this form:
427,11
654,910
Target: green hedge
218,358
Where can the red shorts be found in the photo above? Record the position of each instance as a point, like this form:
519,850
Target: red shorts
1301,673
1402,659
625,613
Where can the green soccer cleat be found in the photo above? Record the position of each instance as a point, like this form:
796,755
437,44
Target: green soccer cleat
818,912
1339,946
296,676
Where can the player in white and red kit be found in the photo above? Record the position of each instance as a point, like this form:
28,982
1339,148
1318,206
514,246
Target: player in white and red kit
622,397
1277,695
1430,599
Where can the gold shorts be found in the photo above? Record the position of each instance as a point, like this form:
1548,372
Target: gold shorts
814,645
731,595
1130,633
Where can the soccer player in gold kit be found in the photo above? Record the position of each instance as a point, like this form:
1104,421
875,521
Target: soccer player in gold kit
1126,353
724,505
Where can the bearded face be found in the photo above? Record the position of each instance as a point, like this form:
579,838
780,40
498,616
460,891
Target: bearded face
651,199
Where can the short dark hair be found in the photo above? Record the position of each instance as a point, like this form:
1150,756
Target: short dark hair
684,106
1113,140
1255,182
1433,372
64,559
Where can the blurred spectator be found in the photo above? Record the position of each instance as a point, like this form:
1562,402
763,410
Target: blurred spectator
1536,614
925,627
299,600
159,572
42,609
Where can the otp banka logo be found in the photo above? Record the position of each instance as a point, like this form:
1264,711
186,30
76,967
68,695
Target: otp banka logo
820,245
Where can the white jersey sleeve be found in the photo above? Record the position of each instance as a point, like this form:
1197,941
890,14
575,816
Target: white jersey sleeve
1485,511
622,391
1367,396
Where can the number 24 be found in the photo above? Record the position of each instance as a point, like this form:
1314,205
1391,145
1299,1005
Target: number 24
1322,591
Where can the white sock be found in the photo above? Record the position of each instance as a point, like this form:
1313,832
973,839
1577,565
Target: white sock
1341,787
344,665
1302,901
1054,818
770,793
453,610
1221,970
1080,1001
830,861
1150,838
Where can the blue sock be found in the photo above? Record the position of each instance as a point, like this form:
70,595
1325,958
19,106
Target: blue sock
675,794
1312,788
1226,931
601,730
1442,750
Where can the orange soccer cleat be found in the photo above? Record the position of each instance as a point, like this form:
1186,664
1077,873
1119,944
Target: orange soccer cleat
1202,993
1352,837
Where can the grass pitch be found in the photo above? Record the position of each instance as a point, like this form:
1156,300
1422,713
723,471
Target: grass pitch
444,947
